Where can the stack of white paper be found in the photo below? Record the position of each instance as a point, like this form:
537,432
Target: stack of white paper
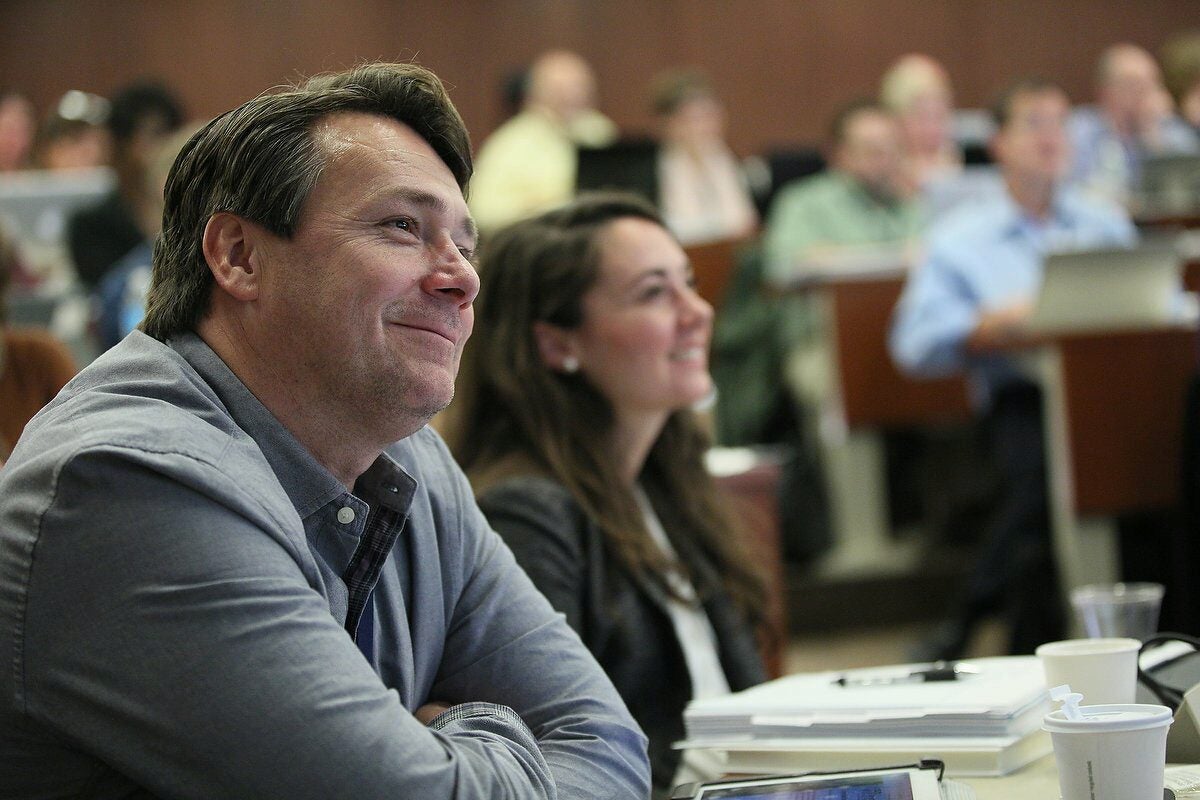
982,723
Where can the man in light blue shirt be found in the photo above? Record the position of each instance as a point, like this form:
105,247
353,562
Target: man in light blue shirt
1133,118
967,305
234,561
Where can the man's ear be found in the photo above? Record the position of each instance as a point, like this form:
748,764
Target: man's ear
556,346
231,248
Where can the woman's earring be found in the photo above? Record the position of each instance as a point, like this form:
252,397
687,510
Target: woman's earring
570,365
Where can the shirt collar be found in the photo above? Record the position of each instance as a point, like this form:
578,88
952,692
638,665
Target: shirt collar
308,484
1063,214
859,193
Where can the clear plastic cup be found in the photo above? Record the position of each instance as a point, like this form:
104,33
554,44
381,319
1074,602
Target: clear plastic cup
1113,752
1126,610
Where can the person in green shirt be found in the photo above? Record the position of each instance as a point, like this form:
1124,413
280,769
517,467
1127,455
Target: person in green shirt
770,357
855,213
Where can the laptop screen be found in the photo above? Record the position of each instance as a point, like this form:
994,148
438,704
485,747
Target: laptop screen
35,205
1109,289
630,165
1170,184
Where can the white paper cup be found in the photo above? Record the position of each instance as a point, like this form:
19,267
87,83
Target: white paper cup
1116,752
1102,670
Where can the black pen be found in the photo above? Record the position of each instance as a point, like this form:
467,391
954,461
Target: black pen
938,671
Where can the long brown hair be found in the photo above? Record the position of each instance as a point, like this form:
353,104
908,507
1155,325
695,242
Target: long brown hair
514,415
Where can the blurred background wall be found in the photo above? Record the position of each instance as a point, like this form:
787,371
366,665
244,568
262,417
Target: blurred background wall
783,66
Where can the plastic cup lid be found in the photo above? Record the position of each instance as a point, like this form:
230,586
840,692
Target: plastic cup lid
1110,718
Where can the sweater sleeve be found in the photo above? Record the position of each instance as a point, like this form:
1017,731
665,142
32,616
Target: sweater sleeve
544,528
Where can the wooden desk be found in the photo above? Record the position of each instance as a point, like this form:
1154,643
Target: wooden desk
1168,222
713,264
1191,275
754,505
872,391
1114,405
866,394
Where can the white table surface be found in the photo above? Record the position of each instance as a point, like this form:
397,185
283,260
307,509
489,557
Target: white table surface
1038,781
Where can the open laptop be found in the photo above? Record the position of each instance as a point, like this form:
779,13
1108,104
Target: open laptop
627,165
1109,290
35,205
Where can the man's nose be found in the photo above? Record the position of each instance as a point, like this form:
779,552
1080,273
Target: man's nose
452,274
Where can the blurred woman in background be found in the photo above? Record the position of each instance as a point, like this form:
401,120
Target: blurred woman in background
73,135
18,125
574,423
703,193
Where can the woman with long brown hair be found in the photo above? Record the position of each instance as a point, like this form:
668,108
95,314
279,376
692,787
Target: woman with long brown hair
574,422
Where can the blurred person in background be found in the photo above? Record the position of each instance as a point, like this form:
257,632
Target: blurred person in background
33,364
513,91
1181,73
18,126
703,193
119,302
529,163
574,423
860,213
916,89
966,308
141,116
74,136
1133,118
861,205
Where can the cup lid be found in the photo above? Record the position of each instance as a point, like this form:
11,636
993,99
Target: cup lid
1109,718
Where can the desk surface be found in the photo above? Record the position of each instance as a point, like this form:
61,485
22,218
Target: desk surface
1038,781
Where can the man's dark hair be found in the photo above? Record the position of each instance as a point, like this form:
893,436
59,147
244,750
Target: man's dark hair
1002,108
261,160
673,88
139,102
842,119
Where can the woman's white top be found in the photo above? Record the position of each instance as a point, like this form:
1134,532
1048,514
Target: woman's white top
698,641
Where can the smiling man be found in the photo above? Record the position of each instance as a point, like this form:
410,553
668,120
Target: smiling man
233,560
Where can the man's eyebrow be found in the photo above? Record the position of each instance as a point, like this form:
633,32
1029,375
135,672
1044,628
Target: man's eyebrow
438,204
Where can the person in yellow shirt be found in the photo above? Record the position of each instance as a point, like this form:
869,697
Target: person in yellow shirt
529,163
